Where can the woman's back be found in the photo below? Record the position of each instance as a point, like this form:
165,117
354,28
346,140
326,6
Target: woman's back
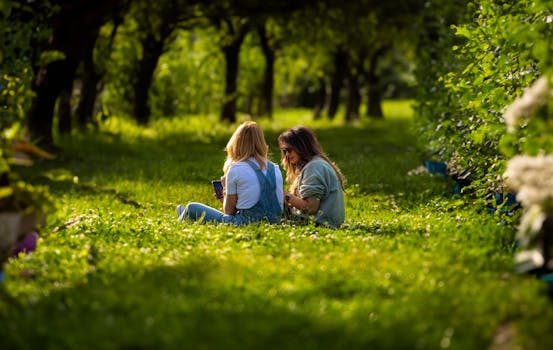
318,179
242,181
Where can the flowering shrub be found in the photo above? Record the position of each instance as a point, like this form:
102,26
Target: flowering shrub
485,97
470,72
531,174
532,179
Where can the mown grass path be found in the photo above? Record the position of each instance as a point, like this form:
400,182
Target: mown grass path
414,267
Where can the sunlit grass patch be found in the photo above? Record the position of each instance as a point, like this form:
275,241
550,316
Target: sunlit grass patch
414,266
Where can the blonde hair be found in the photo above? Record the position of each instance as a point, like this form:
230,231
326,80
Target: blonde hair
303,140
246,142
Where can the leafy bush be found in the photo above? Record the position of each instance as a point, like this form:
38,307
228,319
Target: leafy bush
482,64
21,24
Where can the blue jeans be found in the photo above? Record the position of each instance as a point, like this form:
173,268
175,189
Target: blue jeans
196,211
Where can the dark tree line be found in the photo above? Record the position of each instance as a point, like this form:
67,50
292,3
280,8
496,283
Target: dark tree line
355,35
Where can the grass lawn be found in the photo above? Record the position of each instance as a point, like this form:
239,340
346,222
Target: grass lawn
414,267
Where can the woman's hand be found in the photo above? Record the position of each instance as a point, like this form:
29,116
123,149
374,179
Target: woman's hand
306,205
287,196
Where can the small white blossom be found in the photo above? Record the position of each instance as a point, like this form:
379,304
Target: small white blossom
525,105
532,179
417,171
530,225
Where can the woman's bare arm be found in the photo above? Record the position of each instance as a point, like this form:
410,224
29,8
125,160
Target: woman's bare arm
229,204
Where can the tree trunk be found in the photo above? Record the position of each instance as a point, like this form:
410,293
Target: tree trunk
64,110
321,99
87,101
337,81
374,103
50,82
354,97
231,74
231,52
152,50
71,35
89,88
374,97
268,77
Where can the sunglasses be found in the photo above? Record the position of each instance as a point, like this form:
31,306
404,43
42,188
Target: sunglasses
287,150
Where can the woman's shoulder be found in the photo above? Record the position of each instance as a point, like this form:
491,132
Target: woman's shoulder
245,162
316,162
238,167
248,163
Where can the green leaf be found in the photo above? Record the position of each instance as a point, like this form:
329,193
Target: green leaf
5,192
541,50
5,9
462,31
48,57
508,145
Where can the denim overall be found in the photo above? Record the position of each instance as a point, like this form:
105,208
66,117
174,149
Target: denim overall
268,207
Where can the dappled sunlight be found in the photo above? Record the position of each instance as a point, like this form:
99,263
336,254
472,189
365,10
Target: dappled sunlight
116,253
121,112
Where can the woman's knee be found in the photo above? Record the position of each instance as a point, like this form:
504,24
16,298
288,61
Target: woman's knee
194,210
198,211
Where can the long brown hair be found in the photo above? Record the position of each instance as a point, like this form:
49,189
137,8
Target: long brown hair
246,142
303,140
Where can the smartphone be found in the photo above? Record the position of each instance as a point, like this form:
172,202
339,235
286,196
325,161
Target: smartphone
217,188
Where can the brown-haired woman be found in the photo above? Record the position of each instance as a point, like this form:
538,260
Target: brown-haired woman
316,183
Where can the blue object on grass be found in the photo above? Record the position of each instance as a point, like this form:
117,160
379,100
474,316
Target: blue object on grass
547,278
510,203
511,199
1,276
436,167
457,188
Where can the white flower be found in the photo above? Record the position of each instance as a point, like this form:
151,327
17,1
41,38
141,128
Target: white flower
530,225
525,105
532,179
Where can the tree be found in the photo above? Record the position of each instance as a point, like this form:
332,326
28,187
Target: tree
93,72
374,95
157,23
339,73
64,109
269,51
234,19
233,31
74,27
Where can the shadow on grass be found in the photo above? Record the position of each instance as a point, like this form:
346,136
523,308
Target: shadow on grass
108,155
172,308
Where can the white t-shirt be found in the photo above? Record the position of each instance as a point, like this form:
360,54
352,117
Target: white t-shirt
242,181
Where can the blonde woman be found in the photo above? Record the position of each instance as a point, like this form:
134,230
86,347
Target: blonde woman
316,183
252,185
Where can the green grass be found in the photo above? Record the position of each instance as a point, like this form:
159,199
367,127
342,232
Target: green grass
414,267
